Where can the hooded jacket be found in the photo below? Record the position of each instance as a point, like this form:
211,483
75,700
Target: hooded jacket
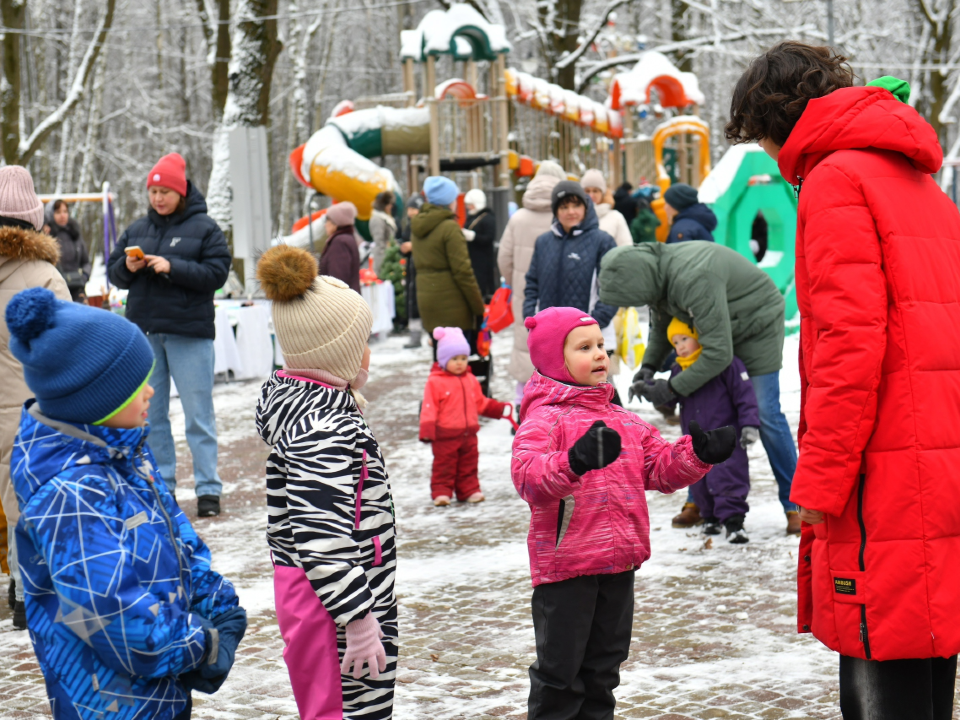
74,257
447,291
341,258
614,224
452,405
329,507
696,222
732,303
564,268
115,577
27,259
516,250
179,302
880,407
484,224
597,523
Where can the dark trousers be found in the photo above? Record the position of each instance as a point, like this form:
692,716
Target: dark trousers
583,627
897,689
185,713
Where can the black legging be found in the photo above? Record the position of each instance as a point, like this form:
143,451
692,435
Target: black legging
897,689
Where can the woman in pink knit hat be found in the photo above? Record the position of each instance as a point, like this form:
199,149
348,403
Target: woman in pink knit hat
583,464
172,261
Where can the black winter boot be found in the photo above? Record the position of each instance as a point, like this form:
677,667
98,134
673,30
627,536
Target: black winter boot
19,615
711,526
735,532
208,505
12,593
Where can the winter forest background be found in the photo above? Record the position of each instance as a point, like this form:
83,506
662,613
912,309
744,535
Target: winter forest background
96,90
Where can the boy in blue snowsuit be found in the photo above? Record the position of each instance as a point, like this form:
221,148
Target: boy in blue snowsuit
727,399
124,612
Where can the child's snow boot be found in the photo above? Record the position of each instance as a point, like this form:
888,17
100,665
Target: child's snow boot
711,526
735,533
19,615
441,501
477,497
689,516
12,593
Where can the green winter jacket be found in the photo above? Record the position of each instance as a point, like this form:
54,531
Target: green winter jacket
733,304
447,291
644,226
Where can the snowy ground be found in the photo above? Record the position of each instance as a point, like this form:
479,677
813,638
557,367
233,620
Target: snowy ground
714,631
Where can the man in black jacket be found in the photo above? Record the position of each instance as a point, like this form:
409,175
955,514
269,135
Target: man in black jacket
185,260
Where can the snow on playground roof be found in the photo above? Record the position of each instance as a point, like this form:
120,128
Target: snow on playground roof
460,31
676,89
723,173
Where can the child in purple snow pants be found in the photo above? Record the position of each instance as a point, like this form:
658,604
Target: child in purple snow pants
727,399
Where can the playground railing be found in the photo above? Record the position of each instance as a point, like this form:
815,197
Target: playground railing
466,128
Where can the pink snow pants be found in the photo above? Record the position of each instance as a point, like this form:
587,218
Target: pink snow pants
310,646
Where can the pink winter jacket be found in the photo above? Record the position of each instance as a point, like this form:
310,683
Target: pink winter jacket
595,524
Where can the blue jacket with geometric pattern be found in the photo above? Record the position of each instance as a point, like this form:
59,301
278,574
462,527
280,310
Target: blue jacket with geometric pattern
114,574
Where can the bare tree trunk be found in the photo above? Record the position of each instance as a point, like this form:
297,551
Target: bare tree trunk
67,150
215,15
93,126
255,50
561,23
13,13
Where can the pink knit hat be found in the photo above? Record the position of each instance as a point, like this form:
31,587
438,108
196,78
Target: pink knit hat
169,172
18,200
548,332
450,343
341,214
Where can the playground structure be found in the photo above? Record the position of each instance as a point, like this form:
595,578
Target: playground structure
454,126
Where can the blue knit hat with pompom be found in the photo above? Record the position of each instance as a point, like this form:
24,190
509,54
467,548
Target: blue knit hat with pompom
83,364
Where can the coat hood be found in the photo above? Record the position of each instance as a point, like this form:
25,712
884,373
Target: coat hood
27,245
196,205
285,401
858,118
541,390
537,196
632,275
699,213
72,445
590,222
429,217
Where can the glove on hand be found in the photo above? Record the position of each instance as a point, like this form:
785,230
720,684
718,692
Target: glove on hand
469,235
364,646
748,436
193,680
230,627
643,376
658,392
715,446
598,447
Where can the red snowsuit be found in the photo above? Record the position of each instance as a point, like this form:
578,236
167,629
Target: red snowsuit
449,418
878,285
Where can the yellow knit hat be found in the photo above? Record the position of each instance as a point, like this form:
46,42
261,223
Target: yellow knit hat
679,327
320,322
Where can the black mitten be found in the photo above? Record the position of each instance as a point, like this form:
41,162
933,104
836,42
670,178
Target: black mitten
715,446
598,447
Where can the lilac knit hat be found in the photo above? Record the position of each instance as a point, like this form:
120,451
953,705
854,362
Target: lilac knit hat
341,214
548,333
18,200
450,342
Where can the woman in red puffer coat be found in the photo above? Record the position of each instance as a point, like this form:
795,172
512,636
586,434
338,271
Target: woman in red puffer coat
878,265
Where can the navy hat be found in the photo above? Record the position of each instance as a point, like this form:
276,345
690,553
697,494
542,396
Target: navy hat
565,189
83,364
680,196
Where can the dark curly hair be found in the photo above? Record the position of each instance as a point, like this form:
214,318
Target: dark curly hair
773,92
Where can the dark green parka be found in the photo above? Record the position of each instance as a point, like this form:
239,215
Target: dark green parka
733,304
447,292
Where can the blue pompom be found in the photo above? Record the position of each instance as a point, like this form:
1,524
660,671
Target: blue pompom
30,312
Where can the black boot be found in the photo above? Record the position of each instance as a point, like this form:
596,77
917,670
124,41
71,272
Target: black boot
12,593
19,615
711,526
735,532
208,505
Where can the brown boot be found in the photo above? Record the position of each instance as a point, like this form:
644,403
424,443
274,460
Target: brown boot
793,522
688,517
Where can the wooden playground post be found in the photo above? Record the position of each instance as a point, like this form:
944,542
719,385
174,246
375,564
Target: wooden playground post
429,95
628,141
409,82
617,163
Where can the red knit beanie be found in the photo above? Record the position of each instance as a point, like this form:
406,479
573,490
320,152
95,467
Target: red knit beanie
169,172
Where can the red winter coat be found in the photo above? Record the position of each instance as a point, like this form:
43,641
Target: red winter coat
878,285
452,404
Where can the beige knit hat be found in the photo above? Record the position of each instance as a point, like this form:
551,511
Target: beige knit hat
18,200
320,322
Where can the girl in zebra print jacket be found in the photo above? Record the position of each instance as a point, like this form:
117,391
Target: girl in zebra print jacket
330,511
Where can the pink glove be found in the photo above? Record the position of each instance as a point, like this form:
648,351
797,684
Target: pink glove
364,646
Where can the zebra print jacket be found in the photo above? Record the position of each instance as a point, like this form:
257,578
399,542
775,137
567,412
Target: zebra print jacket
330,510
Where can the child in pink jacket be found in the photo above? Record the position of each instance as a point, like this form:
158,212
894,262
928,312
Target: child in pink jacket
583,464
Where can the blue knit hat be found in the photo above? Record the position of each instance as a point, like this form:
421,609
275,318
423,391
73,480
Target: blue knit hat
83,364
440,190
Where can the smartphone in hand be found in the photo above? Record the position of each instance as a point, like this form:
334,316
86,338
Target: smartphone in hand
134,251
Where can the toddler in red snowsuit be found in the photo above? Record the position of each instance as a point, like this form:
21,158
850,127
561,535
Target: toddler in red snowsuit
452,402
